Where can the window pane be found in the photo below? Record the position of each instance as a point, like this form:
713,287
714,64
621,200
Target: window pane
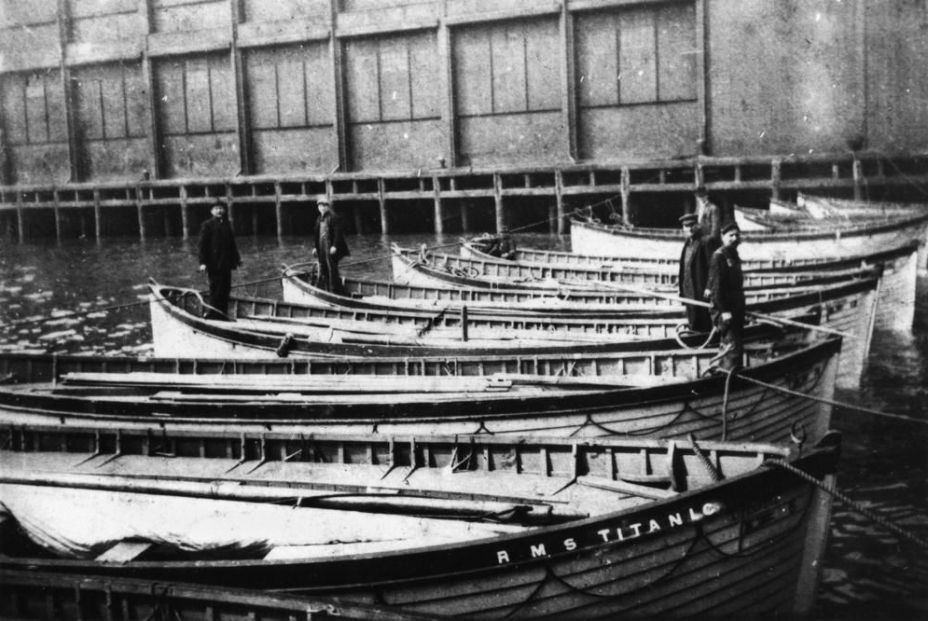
197,97
508,47
12,89
363,82
114,105
320,92
292,89
171,97
637,66
597,60
472,72
543,50
426,78
222,93
394,80
676,45
89,114
262,89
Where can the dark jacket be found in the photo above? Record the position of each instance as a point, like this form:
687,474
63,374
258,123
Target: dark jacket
726,282
329,227
217,249
698,267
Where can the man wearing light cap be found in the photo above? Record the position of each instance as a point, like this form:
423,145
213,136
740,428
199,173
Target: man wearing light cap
726,285
329,246
694,273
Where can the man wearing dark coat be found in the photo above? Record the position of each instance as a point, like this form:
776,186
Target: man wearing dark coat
710,219
329,246
218,256
726,285
694,273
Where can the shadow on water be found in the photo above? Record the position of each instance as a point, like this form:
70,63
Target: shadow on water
868,573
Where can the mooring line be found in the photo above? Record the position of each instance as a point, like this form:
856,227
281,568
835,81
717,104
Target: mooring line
840,404
856,506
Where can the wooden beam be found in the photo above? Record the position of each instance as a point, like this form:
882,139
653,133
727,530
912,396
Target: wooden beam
568,88
70,116
702,76
339,122
382,203
156,164
498,202
439,212
446,84
242,126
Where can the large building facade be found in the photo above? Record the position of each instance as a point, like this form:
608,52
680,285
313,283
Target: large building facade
478,97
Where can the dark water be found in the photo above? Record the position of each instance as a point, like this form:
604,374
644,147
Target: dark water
868,573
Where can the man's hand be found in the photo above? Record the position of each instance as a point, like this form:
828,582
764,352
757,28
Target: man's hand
726,317
707,294
202,268
314,252
333,250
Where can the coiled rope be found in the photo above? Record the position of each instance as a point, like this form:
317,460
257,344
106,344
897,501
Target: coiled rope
832,491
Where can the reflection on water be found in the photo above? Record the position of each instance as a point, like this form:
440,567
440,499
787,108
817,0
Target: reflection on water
868,573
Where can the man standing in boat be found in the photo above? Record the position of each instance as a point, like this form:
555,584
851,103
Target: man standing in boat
709,216
726,285
694,273
505,246
218,256
329,246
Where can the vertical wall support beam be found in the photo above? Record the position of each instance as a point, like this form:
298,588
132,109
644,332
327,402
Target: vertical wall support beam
67,88
140,212
857,171
448,109
6,155
702,76
498,201
775,173
382,202
626,194
860,18
230,207
464,206
155,138
241,100
568,86
97,216
560,227
58,215
339,122
358,220
278,211
439,211
20,217
184,213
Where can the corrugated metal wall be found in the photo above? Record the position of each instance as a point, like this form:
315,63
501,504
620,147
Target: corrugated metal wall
119,89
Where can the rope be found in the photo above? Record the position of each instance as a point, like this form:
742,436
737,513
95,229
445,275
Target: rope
432,321
755,314
911,181
455,244
839,404
713,471
681,327
730,373
831,490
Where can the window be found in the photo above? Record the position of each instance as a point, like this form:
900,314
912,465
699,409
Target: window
643,54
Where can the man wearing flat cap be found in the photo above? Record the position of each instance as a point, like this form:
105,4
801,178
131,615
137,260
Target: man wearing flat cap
329,246
694,273
726,286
